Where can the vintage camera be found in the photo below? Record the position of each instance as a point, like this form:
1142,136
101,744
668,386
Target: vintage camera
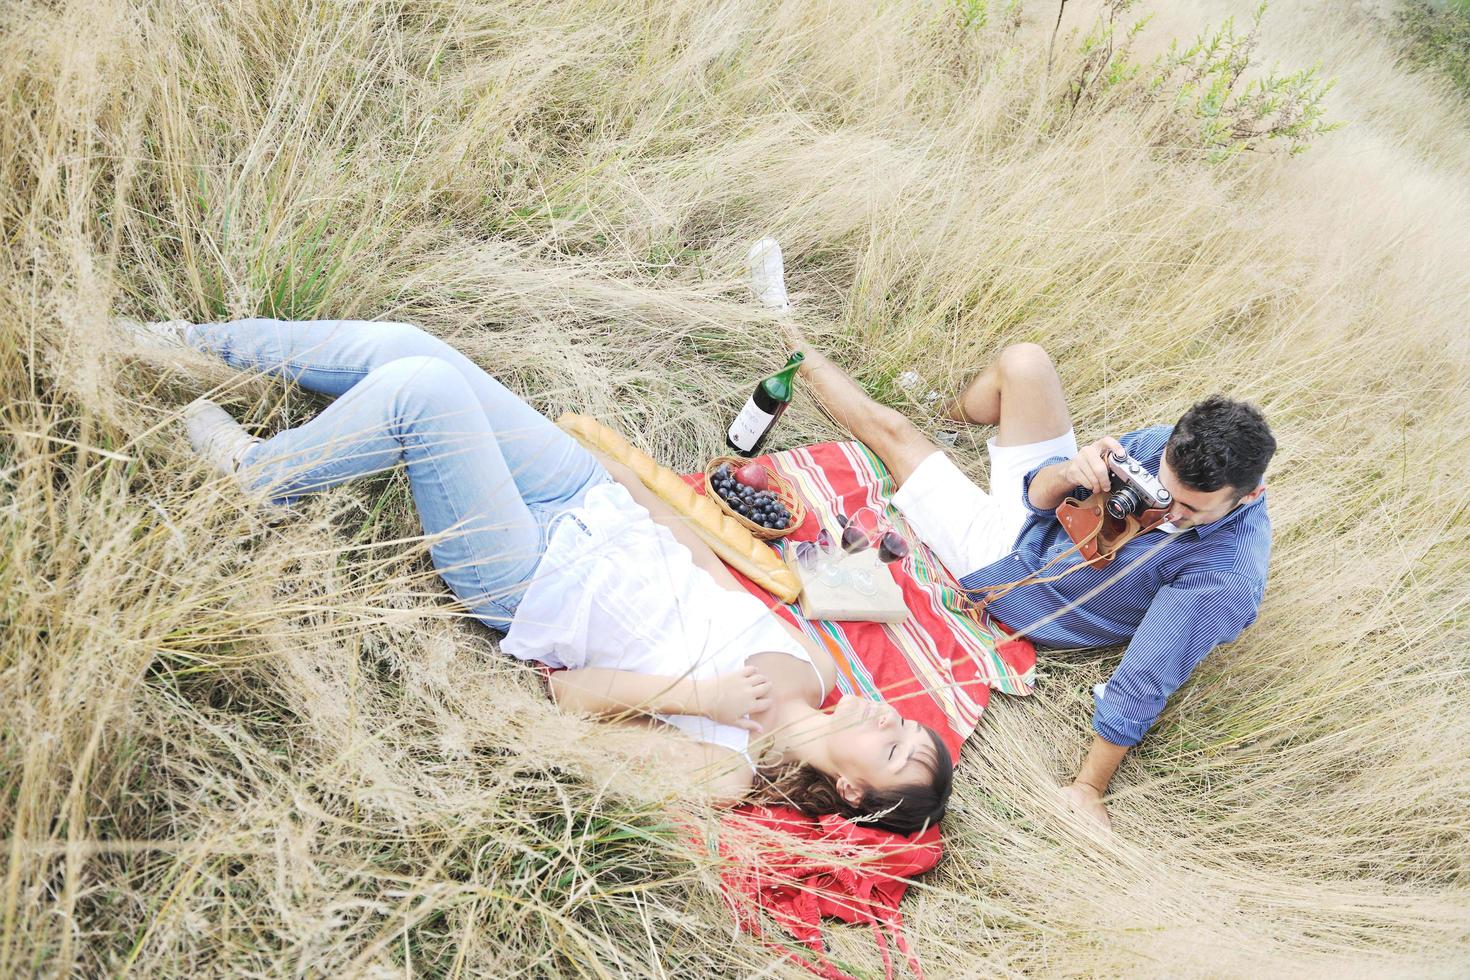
1101,525
1134,489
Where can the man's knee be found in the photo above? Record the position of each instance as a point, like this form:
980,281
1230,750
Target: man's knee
1025,364
1032,405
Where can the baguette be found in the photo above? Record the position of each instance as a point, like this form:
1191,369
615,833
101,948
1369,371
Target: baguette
736,546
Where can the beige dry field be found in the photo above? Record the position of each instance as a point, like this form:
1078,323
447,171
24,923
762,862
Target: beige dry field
231,748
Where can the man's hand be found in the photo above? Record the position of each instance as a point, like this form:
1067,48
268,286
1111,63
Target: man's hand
1085,795
1089,468
728,698
1087,801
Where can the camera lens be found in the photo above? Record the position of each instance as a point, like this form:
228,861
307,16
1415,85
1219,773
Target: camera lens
1122,503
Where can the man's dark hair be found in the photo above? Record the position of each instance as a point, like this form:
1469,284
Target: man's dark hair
1221,442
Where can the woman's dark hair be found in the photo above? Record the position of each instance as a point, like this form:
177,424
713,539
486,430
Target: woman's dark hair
1221,442
903,810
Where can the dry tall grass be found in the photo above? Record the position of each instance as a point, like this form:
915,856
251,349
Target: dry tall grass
231,748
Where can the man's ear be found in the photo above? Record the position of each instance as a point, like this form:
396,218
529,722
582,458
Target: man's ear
849,791
1253,495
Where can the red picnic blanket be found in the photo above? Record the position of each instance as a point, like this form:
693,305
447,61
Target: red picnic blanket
938,666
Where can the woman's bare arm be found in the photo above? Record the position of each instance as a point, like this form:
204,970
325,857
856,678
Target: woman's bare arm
601,691
725,698
697,769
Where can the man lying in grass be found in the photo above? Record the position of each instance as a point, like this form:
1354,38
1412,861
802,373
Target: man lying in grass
584,567
1172,594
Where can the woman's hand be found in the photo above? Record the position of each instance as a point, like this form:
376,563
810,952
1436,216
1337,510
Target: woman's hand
729,698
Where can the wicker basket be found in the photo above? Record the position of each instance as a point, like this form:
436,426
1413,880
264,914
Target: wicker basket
784,491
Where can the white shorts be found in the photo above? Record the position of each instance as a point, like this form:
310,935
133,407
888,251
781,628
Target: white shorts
963,525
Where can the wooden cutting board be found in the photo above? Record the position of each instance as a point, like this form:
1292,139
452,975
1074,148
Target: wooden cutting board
819,600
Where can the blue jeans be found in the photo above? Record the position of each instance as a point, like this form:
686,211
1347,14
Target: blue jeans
489,472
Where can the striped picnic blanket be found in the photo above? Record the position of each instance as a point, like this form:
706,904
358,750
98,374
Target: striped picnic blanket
944,651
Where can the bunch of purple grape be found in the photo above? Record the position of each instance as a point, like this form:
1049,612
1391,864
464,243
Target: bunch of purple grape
762,507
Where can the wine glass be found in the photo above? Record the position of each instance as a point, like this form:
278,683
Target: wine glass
820,558
858,530
827,556
892,547
864,528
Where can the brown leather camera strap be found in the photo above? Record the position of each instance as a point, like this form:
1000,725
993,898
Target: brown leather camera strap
1112,543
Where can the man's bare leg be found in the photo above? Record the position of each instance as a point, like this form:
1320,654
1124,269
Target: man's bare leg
896,440
1019,393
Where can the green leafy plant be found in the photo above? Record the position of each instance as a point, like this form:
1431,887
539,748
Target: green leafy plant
1107,53
1205,78
1437,40
974,15
1215,106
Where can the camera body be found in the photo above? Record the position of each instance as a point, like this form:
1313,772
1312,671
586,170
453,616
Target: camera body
1100,525
1134,489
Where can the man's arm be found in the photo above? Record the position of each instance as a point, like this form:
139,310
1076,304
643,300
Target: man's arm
1185,621
1050,485
1087,791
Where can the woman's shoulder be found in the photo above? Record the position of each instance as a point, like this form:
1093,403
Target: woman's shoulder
733,778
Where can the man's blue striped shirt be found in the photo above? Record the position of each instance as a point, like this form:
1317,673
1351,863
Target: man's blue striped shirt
1174,596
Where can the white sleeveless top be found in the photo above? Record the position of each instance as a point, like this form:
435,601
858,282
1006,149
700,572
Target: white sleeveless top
615,589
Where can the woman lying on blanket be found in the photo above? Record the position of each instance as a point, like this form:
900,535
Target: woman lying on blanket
586,569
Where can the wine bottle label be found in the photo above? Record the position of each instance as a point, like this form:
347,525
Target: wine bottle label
749,426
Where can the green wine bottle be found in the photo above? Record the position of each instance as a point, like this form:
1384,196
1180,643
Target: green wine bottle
756,420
